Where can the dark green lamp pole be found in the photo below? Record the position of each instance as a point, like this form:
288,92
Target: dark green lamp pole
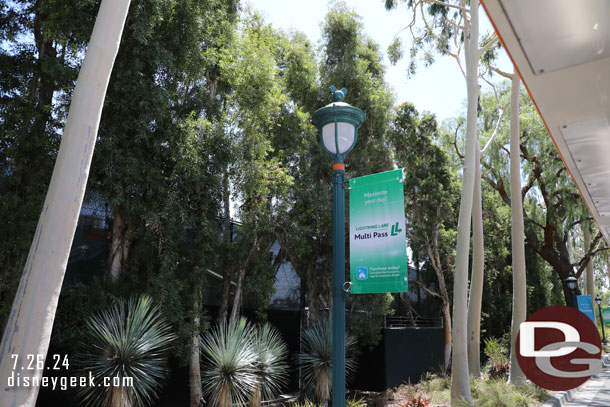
598,300
338,124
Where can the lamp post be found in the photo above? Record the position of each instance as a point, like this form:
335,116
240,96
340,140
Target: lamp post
598,300
338,123
571,283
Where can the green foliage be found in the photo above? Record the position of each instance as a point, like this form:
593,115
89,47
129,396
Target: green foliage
499,393
308,403
352,60
432,383
355,403
127,340
366,315
316,358
485,393
431,196
242,363
161,151
497,350
39,59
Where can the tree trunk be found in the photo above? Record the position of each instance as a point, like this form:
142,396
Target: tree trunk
228,232
447,327
194,369
477,277
237,296
434,256
460,380
119,246
28,331
516,376
590,282
119,397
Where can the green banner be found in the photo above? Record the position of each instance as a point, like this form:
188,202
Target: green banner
378,245
606,315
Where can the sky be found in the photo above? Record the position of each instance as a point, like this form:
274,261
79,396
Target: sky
439,88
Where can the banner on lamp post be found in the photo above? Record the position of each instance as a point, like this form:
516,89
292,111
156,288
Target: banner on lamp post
585,305
378,244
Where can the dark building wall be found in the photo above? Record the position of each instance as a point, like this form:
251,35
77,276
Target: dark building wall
404,355
410,353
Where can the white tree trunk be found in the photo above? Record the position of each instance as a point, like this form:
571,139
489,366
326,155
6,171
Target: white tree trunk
518,243
28,330
590,282
460,380
194,369
476,279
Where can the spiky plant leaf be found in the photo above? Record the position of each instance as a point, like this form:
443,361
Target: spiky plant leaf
128,340
270,367
228,376
316,359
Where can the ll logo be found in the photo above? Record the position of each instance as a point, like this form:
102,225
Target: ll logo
396,229
558,348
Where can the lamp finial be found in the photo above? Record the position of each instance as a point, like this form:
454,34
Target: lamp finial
338,95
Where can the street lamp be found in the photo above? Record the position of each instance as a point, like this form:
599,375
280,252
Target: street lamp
571,283
338,123
598,300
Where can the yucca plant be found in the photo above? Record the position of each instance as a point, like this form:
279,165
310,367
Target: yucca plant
316,359
270,367
129,340
229,354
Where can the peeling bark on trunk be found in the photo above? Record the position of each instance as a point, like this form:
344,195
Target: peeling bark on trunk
447,327
196,397
519,314
476,279
119,246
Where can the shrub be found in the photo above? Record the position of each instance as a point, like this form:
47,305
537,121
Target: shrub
242,364
316,359
499,370
128,340
270,366
356,403
416,401
496,350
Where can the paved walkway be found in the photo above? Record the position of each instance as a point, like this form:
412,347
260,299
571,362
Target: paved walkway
594,393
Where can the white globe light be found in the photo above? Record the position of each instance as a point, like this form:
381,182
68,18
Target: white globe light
345,137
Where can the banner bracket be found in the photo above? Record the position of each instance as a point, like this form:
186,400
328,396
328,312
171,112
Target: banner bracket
347,286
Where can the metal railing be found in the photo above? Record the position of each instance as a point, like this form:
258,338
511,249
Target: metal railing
415,322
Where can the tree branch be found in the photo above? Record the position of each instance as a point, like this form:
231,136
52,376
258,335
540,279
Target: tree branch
492,41
442,3
496,130
502,73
